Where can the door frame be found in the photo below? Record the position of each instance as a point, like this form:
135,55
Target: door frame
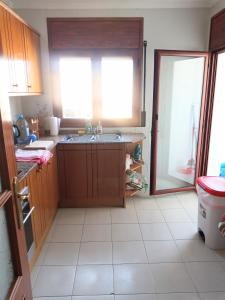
154,136
209,109
21,287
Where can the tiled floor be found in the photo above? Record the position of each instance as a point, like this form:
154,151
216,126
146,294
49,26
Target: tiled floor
149,251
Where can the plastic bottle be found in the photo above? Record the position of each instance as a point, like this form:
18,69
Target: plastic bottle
99,128
23,127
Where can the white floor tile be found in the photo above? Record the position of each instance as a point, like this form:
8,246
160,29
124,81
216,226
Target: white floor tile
162,251
129,252
133,279
184,231
126,232
69,216
66,233
34,275
179,296
94,280
207,276
54,281
41,257
155,232
150,216
145,203
95,253
212,296
97,233
61,254
98,216
136,297
172,278
168,202
196,250
175,215
121,215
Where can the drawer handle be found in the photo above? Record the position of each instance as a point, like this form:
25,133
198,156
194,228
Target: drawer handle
15,85
29,85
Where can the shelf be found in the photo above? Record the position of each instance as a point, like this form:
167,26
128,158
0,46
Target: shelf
131,192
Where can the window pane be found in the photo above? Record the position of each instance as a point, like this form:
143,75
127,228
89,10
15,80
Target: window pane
117,87
76,87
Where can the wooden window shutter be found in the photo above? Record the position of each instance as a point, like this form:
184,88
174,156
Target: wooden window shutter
217,32
95,33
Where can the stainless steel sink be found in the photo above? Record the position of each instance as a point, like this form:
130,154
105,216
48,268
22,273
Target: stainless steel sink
87,138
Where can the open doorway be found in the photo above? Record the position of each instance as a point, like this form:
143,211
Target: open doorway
176,124
217,140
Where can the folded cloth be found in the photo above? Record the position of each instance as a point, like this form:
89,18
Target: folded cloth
38,156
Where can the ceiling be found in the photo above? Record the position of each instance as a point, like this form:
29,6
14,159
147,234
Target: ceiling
111,4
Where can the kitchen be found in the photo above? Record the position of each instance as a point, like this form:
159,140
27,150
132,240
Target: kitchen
87,224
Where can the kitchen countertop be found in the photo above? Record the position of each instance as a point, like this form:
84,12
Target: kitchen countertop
24,168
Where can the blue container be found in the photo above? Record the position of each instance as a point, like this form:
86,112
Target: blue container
222,170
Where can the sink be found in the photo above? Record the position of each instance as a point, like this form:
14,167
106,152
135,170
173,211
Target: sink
87,138
108,137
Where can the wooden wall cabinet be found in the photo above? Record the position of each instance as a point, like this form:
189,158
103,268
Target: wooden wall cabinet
91,175
21,51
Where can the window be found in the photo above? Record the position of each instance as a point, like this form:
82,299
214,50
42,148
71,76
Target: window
97,70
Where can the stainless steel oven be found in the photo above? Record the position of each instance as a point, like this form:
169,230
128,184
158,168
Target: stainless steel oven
27,211
24,213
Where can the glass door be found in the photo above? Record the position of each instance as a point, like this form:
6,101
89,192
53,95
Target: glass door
176,123
216,157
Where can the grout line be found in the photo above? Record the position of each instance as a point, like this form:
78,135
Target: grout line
78,256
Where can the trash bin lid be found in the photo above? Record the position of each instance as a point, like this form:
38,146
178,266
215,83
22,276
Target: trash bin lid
214,185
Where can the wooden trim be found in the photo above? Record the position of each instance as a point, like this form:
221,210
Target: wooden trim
154,136
168,191
4,197
217,46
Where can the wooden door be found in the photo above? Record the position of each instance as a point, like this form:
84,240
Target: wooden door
75,175
109,174
33,63
14,271
17,51
177,119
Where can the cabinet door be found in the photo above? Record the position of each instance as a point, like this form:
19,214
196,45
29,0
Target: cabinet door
52,187
109,174
33,64
74,176
17,50
37,216
6,49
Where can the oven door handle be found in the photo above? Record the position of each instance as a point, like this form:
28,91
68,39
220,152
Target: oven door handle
28,215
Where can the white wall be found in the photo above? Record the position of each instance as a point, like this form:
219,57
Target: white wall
216,8
183,29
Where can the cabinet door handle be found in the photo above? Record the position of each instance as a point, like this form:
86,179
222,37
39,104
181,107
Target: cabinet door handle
18,203
29,85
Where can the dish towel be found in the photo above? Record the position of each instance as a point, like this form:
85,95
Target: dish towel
38,156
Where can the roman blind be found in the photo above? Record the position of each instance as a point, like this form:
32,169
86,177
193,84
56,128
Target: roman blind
95,33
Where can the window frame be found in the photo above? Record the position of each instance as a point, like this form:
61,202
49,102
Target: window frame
96,54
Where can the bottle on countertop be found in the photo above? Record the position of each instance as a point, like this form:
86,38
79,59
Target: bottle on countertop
99,128
23,126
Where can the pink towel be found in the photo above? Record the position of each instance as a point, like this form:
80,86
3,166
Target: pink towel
38,156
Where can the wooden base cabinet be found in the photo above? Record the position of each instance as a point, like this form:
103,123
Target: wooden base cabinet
91,175
43,185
